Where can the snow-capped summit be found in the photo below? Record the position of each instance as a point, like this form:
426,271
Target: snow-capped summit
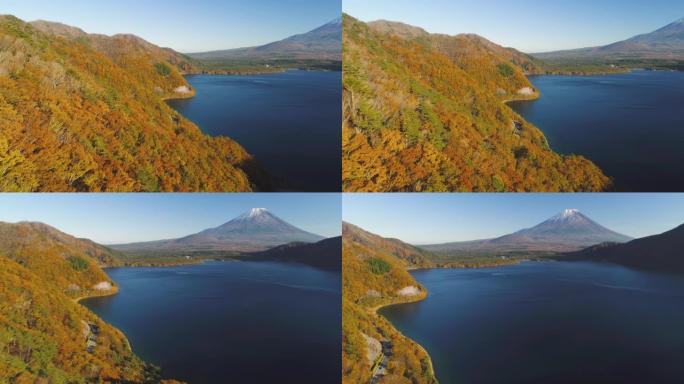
569,212
257,211
254,214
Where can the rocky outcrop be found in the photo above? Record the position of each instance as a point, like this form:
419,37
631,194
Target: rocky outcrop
103,286
183,90
409,291
374,348
526,91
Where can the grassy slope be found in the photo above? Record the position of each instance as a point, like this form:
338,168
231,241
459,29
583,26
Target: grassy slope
428,114
43,330
86,113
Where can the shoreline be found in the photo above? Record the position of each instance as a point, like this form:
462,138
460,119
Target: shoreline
507,262
160,264
111,292
180,96
259,179
220,72
114,291
589,74
533,97
257,73
537,95
374,311
614,184
610,185
425,296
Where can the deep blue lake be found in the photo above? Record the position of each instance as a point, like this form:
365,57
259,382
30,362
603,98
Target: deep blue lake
231,322
548,322
631,125
290,121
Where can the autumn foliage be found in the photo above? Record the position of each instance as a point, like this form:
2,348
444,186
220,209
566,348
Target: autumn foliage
44,333
426,113
373,271
85,112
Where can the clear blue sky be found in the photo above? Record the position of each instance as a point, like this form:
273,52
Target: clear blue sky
186,26
421,218
121,218
528,25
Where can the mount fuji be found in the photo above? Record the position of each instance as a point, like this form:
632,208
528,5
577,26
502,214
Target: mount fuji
665,43
322,43
567,231
256,230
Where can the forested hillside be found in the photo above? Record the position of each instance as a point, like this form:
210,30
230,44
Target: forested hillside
658,253
426,112
325,254
45,336
85,112
373,275
72,265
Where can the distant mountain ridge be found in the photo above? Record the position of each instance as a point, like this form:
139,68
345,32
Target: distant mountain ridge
663,252
117,47
464,45
322,43
569,230
399,29
325,254
256,230
666,43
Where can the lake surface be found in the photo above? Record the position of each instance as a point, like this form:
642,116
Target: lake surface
237,322
291,122
631,125
549,322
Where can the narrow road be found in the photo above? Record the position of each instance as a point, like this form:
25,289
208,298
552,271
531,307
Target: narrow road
380,367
